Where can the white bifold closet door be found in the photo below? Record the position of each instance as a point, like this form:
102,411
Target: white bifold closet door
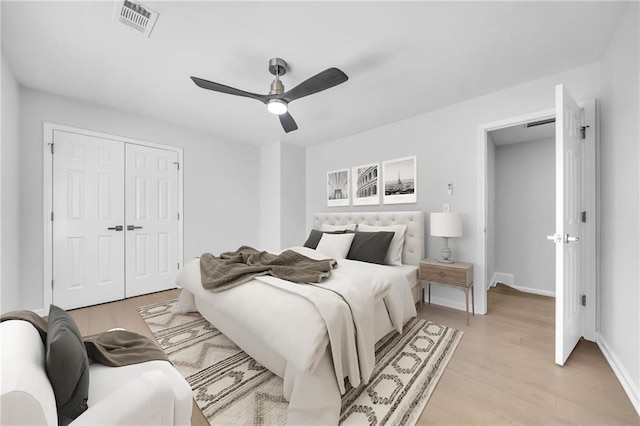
115,220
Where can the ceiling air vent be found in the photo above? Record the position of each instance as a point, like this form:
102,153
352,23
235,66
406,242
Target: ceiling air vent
136,16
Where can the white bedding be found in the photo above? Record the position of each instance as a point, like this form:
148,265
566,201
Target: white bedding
265,320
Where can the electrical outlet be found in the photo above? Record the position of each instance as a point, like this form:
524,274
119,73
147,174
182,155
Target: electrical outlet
447,207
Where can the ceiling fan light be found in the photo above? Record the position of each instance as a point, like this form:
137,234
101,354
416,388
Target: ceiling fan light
277,106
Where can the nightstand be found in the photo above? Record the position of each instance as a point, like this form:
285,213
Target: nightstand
456,275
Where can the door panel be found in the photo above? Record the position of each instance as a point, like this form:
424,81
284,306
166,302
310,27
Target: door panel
568,224
152,208
88,198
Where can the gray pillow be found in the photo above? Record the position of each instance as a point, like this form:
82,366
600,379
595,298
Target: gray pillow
315,236
370,246
67,365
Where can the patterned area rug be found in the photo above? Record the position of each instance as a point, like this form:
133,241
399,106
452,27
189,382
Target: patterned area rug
232,389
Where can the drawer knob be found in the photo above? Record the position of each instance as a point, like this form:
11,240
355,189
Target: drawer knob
441,273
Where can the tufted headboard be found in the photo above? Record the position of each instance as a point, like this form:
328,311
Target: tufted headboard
413,250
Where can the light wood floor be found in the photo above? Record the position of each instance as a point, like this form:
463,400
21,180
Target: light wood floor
503,371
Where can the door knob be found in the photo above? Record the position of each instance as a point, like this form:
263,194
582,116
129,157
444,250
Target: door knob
115,228
569,239
556,238
131,227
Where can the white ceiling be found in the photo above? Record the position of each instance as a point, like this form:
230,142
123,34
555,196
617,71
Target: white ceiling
402,59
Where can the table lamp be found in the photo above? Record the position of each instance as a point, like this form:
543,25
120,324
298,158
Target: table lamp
446,225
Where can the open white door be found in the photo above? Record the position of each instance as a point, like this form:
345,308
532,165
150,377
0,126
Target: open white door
568,223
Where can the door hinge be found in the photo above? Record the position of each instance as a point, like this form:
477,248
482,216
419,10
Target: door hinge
178,265
51,147
583,132
583,217
178,216
51,284
584,300
177,164
51,216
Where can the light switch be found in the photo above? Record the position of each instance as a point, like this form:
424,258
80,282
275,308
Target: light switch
450,189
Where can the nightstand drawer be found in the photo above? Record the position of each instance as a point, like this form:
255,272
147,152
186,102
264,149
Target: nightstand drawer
446,274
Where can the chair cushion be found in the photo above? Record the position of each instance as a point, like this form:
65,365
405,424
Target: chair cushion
67,364
106,380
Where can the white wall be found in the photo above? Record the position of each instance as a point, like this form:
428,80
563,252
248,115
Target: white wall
525,214
292,184
270,193
619,330
221,198
10,240
446,143
282,196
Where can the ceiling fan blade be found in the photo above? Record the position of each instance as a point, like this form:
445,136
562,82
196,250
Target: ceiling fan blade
217,87
288,123
319,82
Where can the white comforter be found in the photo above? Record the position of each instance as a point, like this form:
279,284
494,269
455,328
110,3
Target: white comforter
349,323
298,321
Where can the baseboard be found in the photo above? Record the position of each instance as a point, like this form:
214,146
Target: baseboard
535,291
621,373
492,282
501,277
508,280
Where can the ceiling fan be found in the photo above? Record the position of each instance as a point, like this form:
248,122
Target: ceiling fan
277,99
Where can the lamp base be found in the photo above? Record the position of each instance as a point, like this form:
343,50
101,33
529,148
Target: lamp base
445,254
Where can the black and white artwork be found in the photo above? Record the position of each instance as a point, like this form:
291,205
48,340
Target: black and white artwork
365,184
400,180
338,188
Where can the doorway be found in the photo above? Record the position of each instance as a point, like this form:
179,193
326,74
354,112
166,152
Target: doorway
521,207
587,170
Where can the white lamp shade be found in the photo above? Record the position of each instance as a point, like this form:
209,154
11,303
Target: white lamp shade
446,224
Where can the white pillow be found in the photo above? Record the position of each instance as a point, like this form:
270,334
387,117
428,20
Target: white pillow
394,253
329,228
336,246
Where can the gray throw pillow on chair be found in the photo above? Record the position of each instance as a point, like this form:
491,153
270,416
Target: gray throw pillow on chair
67,365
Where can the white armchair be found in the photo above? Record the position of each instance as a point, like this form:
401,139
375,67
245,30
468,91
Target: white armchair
149,393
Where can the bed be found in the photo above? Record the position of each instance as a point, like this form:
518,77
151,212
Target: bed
335,340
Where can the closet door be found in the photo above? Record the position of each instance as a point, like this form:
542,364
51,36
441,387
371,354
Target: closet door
151,219
88,220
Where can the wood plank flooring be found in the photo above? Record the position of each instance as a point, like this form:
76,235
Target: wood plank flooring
503,371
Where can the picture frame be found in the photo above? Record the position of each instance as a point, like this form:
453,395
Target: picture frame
365,184
338,188
399,180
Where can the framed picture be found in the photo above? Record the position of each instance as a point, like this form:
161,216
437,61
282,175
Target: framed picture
400,181
365,186
338,188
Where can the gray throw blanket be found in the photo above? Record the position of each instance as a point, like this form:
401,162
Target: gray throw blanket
113,348
237,267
